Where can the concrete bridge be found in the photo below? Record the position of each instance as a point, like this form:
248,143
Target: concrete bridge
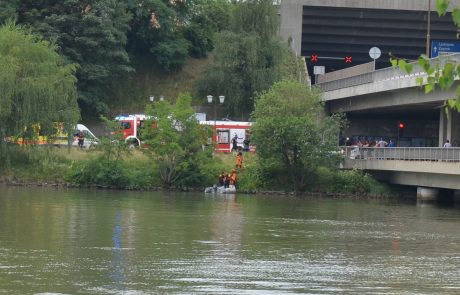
375,101
429,169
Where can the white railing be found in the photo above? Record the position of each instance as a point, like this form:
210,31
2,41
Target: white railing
402,153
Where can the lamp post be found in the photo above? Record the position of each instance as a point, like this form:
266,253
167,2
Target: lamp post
221,101
152,98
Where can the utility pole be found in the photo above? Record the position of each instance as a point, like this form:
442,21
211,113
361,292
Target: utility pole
428,29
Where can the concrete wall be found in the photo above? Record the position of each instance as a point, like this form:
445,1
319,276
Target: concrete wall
291,13
416,173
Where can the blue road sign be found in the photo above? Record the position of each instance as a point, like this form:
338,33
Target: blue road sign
440,47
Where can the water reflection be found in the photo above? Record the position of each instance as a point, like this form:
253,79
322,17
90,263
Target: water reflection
117,274
107,242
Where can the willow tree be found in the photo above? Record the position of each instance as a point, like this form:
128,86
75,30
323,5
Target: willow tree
248,57
36,84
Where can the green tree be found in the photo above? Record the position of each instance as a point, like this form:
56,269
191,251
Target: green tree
175,139
292,136
247,57
8,10
37,86
206,18
90,34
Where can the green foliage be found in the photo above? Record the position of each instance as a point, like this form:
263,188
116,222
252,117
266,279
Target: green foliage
91,35
175,140
97,36
113,165
171,31
35,163
36,85
441,6
348,182
8,10
292,135
125,173
248,57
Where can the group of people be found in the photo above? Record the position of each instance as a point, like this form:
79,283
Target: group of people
226,180
235,146
370,143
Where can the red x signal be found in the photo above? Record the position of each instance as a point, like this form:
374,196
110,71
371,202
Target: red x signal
348,59
314,58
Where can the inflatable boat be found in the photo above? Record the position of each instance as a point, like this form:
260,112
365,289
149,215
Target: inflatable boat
220,190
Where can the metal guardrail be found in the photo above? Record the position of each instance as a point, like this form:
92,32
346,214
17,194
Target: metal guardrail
385,74
402,153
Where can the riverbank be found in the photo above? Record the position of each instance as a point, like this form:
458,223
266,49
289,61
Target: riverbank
135,170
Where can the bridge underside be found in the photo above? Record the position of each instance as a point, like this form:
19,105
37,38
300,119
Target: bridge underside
427,122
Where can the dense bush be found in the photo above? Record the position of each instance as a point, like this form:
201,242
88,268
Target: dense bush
129,173
35,163
348,182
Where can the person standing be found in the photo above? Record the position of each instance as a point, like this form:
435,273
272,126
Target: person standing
239,160
81,139
235,143
246,144
447,144
233,177
222,179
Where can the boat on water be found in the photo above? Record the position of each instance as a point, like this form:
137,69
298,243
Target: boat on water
220,190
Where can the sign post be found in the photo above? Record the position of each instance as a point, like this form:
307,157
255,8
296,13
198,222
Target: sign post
375,53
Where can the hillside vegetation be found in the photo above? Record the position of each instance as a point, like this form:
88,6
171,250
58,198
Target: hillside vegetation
132,93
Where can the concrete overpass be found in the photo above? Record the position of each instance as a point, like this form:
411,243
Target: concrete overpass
365,95
376,98
429,169
375,101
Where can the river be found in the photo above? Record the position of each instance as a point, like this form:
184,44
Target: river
57,241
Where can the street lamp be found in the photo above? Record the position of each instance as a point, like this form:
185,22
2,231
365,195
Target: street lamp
152,98
221,101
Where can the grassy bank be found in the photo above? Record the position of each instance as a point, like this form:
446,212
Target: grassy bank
136,170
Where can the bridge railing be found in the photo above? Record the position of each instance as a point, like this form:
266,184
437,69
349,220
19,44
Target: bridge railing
402,153
385,74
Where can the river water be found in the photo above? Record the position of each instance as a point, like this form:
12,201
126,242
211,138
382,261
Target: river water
111,242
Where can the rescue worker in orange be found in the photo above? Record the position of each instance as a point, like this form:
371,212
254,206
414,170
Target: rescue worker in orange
239,160
81,139
233,177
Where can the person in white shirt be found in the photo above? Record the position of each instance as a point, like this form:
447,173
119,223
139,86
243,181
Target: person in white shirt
447,144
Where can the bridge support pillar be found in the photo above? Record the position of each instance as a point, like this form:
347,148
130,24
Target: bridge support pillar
449,127
427,194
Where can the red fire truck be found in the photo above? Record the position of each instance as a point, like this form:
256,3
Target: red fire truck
131,125
223,131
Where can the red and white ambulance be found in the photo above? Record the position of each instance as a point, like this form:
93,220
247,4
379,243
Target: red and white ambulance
225,131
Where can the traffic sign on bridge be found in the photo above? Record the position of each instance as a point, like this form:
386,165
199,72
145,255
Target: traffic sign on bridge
442,47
